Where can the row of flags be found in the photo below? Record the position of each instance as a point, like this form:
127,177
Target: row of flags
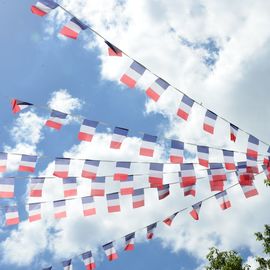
187,182
131,77
129,239
149,142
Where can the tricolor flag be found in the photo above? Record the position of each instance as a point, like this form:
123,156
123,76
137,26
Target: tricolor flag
59,209
168,221
196,210
266,170
252,165
203,155
87,130
12,215
138,198
113,202
130,240
244,177
88,260
98,186
249,190
67,265
126,187
217,176
223,200
133,74
150,230
229,160
70,186
36,186
43,7
185,107
121,171
119,134
233,130
7,187
34,212
209,122
148,145
157,89
266,161
73,28
27,163
187,175
110,251
18,105
163,191
177,151
56,119
252,148
113,50
88,204
3,162
155,175
90,168
61,167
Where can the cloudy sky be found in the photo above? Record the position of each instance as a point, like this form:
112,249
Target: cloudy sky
216,52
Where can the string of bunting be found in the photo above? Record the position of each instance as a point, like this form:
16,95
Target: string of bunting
136,70
129,239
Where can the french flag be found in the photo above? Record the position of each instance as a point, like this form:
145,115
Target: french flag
187,174
18,105
223,200
73,28
88,260
252,165
216,185
88,204
130,240
209,122
126,187
150,231
157,89
70,186
155,175
148,145
217,172
229,160
249,190
113,202
27,163
56,119
138,198
244,177
87,130
61,167
43,7
36,186
7,187
34,210
163,192
168,221
121,171
252,148
203,155
90,168
185,107
196,210
177,152
266,170
188,190
59,209
12,215
110,251
234,131
133,74
119,134
67,265
98,186
113,50
3,162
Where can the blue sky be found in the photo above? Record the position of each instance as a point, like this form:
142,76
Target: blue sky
35,64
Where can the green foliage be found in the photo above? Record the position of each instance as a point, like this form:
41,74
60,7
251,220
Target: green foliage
267,182
225,260
265,239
